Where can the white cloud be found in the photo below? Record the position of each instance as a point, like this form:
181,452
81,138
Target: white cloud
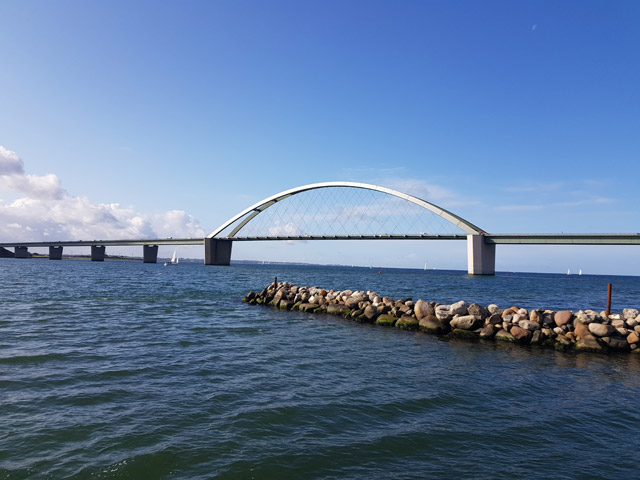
46,211
10,163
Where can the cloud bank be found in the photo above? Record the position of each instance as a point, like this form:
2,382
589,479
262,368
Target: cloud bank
45,211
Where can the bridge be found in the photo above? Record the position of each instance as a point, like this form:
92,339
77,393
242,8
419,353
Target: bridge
339,211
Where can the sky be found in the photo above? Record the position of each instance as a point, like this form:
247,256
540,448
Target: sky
148,119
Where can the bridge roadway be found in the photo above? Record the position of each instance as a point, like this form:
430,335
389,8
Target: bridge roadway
481,248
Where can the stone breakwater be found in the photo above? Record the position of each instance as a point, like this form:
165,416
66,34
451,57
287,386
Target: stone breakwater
585,330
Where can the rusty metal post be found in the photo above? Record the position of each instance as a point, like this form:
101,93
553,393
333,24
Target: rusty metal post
608,299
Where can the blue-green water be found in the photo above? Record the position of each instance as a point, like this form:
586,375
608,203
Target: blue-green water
126,370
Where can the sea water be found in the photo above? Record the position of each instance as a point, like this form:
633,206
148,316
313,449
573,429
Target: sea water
130,370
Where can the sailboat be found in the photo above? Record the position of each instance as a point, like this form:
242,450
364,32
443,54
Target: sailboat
174,259
569,272
425,266
580,272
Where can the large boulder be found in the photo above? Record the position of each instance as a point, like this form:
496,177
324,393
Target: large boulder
422,309
370,313
630,313
488,331
407,322
589,343
465,322
581,330
601,329
478,311
504,336
563,317
520,335
459,308
431,324
386,320
336,309
443,313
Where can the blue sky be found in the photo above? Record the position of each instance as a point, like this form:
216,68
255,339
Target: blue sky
170,117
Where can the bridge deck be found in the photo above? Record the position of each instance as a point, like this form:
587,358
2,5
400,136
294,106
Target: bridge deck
502,239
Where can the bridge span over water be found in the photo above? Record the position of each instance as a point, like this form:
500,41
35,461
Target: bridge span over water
339,211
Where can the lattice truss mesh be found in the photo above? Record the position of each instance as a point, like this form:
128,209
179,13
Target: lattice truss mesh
343,211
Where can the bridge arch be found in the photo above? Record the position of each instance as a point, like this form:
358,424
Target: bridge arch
250,213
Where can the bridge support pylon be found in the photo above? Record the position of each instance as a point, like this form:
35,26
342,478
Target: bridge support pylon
21,252
481,256
150,253
217,251
55,252
97,253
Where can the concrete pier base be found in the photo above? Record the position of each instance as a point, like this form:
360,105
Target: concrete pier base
97,253
150,253
217,252
481,256
22,252
55,252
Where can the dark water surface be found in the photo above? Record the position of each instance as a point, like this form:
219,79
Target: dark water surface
126,370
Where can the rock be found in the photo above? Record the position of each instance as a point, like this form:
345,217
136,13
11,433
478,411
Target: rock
521,335
422,309
370,313
336,309
352,302
630,313
458,308
633,338
488,332
478,311
509,311
562,343
285,304
529,325
618,323
465,322
581,330
386,320
495,318
535,316
407,322
461,333
493,308
536,337
589,343
443,313
558,331
631,322
601,329
504,336
431,324
587,317
307,307
616,343
563,317
518,317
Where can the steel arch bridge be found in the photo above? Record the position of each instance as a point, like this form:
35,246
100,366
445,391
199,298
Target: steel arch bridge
218,244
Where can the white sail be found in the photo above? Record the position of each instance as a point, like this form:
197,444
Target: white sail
174,258
425,266
569,272
580,272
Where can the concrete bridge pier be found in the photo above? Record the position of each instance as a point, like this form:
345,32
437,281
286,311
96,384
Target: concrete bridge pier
150,253
21,252
55,252
481,256
97,253
217,251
